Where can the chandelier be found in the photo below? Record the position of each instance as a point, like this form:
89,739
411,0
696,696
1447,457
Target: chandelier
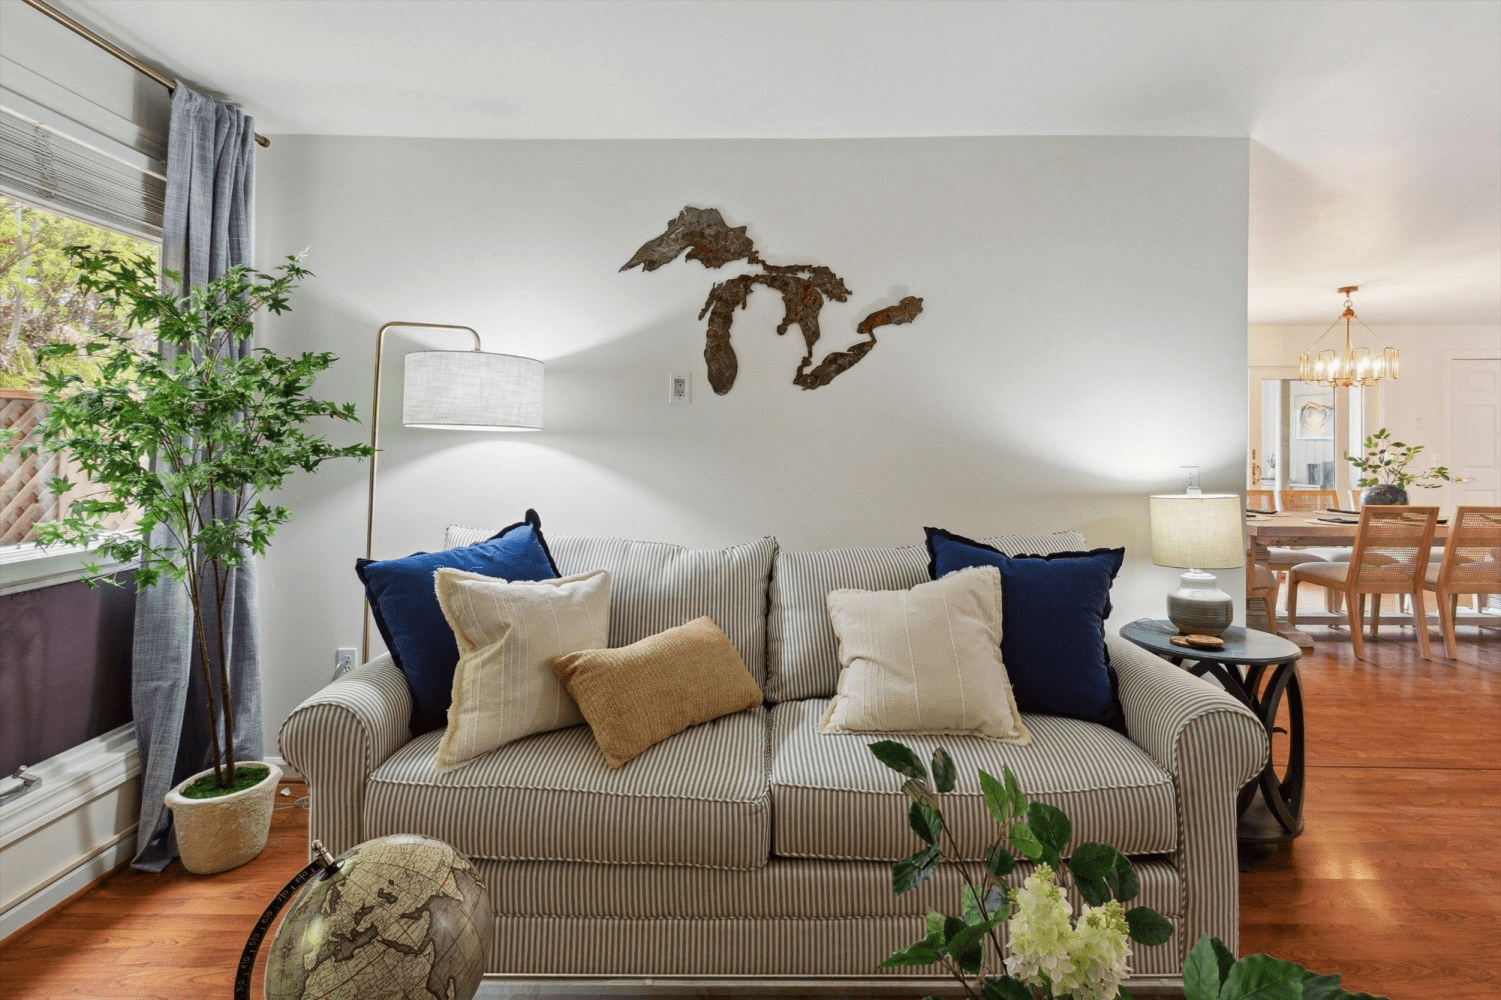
1356,365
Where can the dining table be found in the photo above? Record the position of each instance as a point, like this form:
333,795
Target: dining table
1323,528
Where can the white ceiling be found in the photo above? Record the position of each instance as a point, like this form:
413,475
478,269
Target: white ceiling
1375,127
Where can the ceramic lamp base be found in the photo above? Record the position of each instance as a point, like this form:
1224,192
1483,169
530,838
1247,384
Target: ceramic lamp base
1198,606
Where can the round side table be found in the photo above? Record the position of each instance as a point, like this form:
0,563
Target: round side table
1242,666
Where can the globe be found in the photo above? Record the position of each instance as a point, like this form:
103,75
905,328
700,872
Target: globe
398,917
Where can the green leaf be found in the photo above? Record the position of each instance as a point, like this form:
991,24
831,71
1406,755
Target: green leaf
925,821
967,945
1050,826
900,759
1021,838
1005,988
994,899
1092,861
1148,926
1317,987
909,873
1122,879
918,791
917,954
1202,973
1261,977
1096,891
944,771
996,798
998,862
1014,791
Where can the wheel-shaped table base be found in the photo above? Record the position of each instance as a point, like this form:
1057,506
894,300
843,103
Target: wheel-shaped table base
1262,671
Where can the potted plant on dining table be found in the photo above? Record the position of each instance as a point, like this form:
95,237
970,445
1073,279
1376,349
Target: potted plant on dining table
1384,475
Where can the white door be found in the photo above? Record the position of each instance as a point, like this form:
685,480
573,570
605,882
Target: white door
1473,430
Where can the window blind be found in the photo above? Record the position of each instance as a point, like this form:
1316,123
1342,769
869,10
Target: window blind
41,166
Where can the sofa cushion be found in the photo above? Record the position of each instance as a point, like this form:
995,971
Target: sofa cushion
925,660
504,687
405,606
802,651
1055,608
639,695
655,586
697,798
832,799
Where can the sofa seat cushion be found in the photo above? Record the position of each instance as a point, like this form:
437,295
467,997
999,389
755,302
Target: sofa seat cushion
832,799
802,652
699,798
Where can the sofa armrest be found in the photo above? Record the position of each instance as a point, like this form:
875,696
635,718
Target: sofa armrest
1212,745
338,737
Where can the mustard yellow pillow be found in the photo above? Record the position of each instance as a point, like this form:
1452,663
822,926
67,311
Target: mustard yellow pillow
638,695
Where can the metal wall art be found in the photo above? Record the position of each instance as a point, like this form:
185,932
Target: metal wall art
804,287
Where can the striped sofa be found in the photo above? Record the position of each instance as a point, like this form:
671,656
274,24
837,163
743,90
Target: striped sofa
752,845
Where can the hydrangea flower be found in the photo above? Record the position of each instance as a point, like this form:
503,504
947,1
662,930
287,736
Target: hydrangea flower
1098,950
1039,932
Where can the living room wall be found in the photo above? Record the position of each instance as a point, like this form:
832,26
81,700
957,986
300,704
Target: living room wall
1083,336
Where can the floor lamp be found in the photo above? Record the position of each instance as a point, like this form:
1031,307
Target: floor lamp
469,390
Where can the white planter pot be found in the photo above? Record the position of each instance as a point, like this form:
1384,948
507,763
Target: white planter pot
217,834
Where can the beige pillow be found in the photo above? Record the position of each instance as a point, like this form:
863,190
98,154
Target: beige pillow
640,694
925,660
508,633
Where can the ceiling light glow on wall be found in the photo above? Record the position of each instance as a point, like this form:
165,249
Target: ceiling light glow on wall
1356,366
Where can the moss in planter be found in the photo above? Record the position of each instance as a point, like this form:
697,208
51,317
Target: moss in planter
246,776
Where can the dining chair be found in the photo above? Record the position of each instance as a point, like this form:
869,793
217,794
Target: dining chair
1355,499
1307,499
1282,560
1261,585
1471,564
1264,501
1390,557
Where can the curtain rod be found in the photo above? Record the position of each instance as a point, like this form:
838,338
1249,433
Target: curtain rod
114,50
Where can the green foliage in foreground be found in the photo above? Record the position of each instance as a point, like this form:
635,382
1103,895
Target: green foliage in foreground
193,437
1089,962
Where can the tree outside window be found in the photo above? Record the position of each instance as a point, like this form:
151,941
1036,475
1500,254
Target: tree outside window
41,304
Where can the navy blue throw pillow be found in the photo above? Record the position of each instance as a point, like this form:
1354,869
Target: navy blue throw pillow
405,606
1053,611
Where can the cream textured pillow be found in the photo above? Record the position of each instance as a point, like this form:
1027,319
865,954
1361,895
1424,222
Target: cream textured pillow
925,660
508,633
640,694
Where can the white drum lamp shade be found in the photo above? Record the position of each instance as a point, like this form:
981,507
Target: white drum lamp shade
472,390
1198,532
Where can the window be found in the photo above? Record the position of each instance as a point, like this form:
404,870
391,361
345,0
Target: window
39,305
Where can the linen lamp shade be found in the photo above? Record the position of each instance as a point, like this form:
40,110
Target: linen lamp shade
1198,532
472,390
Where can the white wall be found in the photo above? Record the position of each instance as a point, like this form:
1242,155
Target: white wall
1084,334
1413,406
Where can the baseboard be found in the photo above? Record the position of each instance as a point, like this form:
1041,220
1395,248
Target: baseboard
74,826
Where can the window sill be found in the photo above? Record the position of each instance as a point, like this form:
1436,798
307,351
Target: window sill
31,567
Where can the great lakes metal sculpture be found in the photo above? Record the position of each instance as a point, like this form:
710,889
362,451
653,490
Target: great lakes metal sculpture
702,232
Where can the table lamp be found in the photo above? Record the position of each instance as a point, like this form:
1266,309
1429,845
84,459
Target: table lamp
1198,532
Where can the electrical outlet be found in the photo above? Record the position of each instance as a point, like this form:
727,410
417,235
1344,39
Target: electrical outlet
343,660
679,388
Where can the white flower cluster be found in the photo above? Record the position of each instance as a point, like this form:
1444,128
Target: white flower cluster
1087,961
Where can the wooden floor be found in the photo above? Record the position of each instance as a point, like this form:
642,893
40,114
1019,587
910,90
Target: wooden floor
1396,884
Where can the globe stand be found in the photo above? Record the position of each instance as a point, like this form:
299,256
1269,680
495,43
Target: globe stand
321,863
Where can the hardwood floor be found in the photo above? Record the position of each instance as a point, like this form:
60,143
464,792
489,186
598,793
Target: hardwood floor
1396,884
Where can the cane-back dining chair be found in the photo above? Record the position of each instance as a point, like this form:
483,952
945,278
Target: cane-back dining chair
1390,557
1264,501
1471,564
1307,499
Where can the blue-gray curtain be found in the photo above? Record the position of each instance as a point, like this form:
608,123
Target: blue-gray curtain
206,230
